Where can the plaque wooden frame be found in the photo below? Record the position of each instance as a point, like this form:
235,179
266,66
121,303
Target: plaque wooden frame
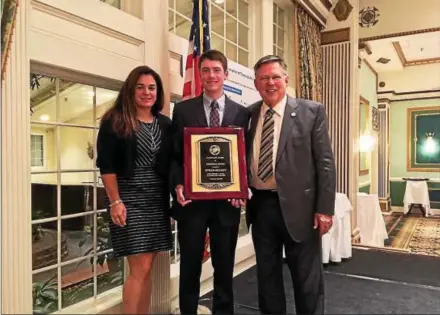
238,188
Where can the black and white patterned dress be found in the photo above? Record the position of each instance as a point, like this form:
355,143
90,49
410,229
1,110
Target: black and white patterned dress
145,196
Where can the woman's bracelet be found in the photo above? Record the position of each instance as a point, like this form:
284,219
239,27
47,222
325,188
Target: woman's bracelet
116,202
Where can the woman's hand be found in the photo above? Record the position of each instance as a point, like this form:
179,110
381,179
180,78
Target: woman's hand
119,214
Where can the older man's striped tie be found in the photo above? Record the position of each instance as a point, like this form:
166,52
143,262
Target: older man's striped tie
265,162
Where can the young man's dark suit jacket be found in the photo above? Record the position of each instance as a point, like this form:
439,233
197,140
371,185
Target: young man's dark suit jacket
306,184
219,215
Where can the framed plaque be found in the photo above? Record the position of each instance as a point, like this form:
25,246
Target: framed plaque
214,163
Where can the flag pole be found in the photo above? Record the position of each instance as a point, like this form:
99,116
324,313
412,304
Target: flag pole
201,25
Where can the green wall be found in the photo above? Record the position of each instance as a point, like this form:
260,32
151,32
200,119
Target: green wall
367,85
398,138
365,189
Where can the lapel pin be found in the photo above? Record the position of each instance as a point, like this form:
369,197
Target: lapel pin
293,114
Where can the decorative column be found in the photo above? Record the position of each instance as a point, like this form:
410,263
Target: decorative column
340,97
374,168
157,57
263,31
132,7
337,99
383,146
15,173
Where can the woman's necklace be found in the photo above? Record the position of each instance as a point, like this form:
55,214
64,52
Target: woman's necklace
149,127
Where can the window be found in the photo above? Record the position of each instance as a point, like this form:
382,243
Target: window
278,31
179,17
229,22
37,150
113,3
71,253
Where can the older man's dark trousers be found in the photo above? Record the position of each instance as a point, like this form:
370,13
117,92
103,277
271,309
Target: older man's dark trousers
304,259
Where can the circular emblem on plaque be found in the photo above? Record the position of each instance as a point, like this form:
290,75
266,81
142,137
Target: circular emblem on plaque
214,149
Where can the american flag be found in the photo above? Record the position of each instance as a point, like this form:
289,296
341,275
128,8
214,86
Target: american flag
199,42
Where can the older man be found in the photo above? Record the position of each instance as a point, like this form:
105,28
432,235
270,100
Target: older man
292,178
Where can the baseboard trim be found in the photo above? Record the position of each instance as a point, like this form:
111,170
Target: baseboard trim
385,204
364,184
399,179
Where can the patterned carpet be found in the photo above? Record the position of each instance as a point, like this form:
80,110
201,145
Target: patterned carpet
415,233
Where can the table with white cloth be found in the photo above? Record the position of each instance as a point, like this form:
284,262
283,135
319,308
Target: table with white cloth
370,220
416,192
336,243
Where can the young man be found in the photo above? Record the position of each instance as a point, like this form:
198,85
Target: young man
212,109
292,179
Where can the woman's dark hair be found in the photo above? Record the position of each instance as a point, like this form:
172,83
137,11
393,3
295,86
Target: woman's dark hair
123,112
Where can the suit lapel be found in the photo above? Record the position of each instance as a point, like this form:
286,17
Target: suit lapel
253,127
254,120
289,121
200,112
229,114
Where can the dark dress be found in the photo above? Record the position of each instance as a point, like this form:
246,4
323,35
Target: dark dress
144,195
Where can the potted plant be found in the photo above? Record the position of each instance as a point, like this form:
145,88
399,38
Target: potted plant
45,296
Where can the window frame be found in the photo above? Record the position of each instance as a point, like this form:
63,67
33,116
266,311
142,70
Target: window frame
95,82
118,5
278,27
44,161
226,17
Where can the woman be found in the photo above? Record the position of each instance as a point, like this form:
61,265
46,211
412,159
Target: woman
133,143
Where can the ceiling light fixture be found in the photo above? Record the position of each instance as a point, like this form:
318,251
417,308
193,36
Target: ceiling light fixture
219,1
44,117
